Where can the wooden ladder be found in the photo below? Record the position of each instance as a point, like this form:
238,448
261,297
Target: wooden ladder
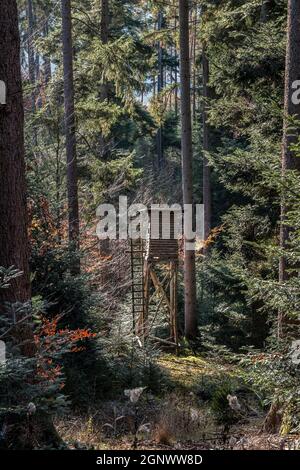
137,276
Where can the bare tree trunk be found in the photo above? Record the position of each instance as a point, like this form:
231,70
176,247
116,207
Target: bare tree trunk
176,72
31,55
265,10
37,55
291,108
70,130
206,143
104,20
104,88
193,47
160,86
104,245
46,58
187,168
13,215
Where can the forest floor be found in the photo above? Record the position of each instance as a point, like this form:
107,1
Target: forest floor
185,417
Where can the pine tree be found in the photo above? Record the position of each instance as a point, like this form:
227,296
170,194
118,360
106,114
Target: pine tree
70,130
291,110
13,215
160,86
206,146
31,54
187,168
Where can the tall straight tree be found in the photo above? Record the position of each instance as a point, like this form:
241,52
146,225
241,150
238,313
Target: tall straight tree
176,68
160,86
31,55
291,108
187,168
206,168
70,130
104,20
13,216
104,95
46,58
104,89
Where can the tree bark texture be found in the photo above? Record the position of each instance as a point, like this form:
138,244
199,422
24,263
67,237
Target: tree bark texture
187,167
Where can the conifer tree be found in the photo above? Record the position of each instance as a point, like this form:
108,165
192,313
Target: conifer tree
70,130
291,110
13,214
187,168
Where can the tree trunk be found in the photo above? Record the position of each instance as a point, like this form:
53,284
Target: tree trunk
289,160
160,86
13,216
176,72
194,19
187,168
104,245
206,168
37,55
104,88
46,58
31,58
266,9
70,130
104,20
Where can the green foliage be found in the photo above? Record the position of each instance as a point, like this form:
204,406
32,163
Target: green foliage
220,406
30,385
276,378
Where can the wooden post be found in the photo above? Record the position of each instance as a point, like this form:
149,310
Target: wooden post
173,301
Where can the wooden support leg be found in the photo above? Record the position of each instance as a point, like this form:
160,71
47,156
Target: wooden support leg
173,302
147,269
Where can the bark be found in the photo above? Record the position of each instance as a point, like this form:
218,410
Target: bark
13,216
266,9
37,55
31,55
193,58
46,58
187,168
289,160
160,86
176,72
104,21
70,130
104,89
206,144
104,245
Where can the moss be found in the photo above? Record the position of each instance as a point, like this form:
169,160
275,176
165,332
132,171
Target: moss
186,372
